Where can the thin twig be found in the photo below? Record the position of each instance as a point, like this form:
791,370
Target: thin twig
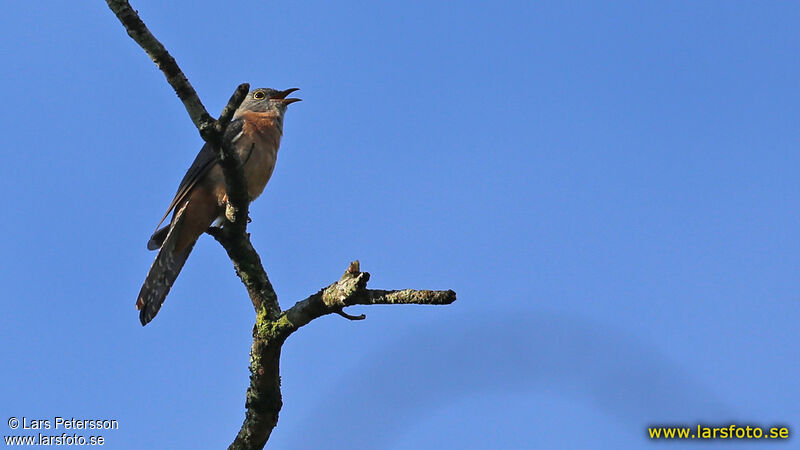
350,317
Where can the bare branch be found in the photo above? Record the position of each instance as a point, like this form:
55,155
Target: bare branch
175,77
233,104
351,290
248,267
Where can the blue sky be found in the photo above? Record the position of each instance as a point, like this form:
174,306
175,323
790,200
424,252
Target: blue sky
612,190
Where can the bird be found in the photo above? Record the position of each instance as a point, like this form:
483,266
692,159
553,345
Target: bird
255,133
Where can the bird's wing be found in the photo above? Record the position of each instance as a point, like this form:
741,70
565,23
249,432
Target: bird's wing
203,162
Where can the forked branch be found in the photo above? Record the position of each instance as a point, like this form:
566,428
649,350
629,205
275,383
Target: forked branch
273,326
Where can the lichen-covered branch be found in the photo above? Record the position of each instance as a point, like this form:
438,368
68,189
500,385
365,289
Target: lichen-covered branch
351,290
272,326
263,395
263,401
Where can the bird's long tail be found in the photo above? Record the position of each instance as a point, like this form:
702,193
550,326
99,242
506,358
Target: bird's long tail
164,271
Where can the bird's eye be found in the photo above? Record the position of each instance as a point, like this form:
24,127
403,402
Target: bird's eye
259,95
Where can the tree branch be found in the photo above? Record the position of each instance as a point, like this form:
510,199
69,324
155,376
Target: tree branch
263,395
156,51
263,402
351,290
248,267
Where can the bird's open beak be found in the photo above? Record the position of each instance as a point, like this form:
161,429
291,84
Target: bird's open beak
282,96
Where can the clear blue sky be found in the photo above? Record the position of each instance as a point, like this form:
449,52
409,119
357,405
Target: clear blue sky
612,190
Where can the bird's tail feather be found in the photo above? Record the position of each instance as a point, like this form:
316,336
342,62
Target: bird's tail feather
163,272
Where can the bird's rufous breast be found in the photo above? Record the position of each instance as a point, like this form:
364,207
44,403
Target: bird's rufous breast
258,148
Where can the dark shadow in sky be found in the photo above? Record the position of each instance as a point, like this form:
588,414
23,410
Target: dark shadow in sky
506,352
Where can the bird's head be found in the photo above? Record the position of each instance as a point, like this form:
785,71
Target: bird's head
267,100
